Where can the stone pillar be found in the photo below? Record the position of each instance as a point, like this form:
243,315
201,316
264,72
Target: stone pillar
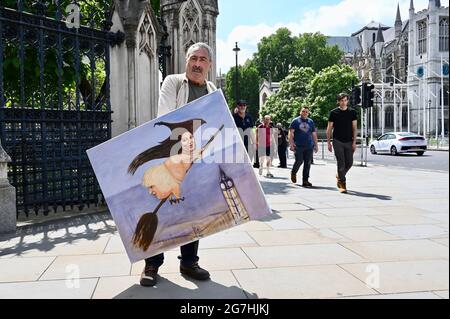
8,216
134,66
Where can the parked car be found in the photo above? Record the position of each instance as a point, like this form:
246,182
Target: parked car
399,143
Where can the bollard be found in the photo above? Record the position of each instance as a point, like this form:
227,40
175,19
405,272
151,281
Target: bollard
8,218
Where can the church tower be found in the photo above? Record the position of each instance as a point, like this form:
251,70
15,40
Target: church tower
188,22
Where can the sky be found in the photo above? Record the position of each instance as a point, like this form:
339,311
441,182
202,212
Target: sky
248,21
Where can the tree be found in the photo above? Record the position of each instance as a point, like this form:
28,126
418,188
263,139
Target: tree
314,52
294,89
276,55
248,87
92,14
325,87
281,51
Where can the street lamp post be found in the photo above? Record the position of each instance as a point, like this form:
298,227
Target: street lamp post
236,76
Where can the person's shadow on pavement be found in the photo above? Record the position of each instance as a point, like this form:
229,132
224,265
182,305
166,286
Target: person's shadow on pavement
165,289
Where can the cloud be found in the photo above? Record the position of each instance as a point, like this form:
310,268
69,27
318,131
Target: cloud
342,19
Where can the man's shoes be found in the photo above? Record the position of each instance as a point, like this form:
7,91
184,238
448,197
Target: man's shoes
195,272
294,178
342,186
269,175
307,184
149,276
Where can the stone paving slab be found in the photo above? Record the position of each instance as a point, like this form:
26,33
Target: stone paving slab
228,239
251,226
442,294
60,289
319,221
351,211
407,220
364,234
402,277
399,250
301,282
106,265
416,295
223,285
80,246
416,231
286,224
443,241
296,237
300,255
25,269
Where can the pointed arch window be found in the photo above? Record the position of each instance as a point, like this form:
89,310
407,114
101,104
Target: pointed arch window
422,36
443,34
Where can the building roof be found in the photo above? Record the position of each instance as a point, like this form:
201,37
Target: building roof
371,26
345,44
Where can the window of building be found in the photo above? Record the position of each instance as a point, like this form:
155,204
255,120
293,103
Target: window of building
443,35
373,37
422,37
446,93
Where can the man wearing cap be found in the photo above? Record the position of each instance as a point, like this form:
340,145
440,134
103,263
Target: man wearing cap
244,123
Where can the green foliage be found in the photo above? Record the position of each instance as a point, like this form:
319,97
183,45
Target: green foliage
284,106
325,87
156,4
281,51
313,52
276,55
248,88
92,14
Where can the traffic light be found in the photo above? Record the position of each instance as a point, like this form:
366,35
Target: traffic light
368,95
356,96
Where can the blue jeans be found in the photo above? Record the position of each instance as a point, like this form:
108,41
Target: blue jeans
188,256
304,156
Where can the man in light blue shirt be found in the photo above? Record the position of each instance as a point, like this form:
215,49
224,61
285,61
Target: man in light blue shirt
303,141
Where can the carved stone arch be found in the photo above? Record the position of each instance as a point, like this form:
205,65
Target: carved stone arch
147,36
191,18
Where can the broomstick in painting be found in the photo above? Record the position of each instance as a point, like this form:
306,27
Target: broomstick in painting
164,181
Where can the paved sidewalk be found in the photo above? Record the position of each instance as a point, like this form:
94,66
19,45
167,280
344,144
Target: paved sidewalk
387,238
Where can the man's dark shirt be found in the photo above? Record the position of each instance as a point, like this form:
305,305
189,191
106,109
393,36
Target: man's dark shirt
343,124
244,124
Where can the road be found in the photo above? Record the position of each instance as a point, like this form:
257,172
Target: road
432,160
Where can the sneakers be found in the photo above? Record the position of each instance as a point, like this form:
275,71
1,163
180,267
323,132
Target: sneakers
195,272
294,178
307,184
149,276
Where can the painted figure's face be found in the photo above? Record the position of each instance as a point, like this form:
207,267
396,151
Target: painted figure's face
187,143
160,192
198,65
343,102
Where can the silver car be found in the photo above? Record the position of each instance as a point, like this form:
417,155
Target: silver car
399,143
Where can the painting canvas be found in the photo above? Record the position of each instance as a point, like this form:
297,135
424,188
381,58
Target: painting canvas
178,178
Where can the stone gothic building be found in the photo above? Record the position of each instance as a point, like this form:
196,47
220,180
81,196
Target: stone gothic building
189,22
406,63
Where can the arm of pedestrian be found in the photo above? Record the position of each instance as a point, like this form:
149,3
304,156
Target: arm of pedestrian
316,142
291,140
329,131
355,135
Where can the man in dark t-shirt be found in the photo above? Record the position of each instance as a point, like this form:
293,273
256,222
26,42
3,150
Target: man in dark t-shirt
244,123
343,126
